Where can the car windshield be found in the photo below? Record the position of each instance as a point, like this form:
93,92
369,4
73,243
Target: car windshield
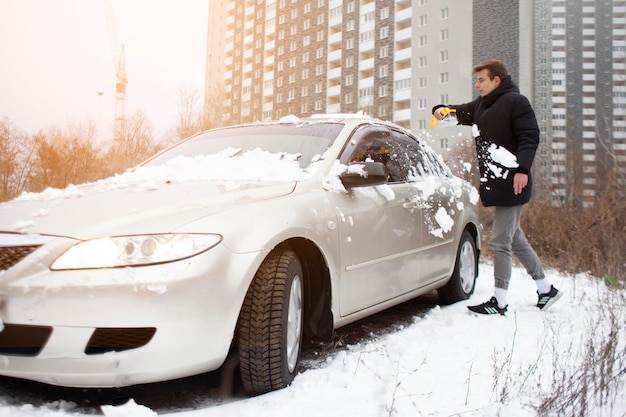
304,142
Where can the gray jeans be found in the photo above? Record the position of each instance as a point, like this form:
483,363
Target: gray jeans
507,239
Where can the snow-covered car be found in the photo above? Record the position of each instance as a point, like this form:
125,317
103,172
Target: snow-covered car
247,241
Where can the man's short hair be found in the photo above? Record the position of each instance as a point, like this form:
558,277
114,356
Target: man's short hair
495,68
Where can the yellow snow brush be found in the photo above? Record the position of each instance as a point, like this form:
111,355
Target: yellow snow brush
445,112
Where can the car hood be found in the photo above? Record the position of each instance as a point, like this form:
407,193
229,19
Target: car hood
96,210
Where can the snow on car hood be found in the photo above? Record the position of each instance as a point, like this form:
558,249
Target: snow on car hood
153,199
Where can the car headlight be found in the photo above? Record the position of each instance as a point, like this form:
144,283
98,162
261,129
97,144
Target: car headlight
119,251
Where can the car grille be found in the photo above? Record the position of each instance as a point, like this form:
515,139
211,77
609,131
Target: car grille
10,255
118,339
26,340
23,340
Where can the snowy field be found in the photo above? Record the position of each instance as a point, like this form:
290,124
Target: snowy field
450,363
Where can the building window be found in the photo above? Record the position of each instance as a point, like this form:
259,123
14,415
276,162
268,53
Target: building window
349,79
423,83
443,56
384,32
367,36
423,20
350,43
445,13
403,84
444,35
382,91
348,98
423,40
423,61
383,70
350,25
384,51
384,13
443,78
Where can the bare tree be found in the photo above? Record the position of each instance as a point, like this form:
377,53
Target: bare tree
189,113
65,156
213,112
16,158
134,144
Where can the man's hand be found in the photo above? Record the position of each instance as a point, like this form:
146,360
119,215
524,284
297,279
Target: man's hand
519,182
440,113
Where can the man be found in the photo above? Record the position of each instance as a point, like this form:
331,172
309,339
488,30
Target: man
506,133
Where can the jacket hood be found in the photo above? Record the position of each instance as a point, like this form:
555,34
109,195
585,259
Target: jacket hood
506,86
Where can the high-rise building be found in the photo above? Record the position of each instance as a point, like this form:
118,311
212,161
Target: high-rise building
390,59
581,94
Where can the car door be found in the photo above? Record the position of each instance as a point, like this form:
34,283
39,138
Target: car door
380,227
438,198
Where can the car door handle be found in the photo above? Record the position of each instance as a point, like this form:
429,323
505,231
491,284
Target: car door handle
410,204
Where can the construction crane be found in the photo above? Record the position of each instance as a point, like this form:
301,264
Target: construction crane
119,62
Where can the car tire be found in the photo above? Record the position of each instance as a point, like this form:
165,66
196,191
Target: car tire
463,280
270,324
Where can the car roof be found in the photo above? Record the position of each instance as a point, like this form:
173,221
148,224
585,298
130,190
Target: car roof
349,119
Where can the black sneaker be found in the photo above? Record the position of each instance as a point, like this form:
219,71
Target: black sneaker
546,300
488,307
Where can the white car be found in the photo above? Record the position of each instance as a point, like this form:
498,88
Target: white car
247,240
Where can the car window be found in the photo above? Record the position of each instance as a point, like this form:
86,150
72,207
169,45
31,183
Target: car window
306,141
375,143
419,158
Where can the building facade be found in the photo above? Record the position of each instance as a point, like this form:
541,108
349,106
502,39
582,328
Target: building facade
389,59
581,94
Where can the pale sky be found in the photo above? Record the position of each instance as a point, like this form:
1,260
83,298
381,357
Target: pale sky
55,55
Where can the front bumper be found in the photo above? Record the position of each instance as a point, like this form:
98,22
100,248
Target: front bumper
121,327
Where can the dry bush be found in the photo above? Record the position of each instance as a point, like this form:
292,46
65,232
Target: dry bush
572,239
580,240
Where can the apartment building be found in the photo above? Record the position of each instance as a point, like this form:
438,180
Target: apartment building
581,95
389,59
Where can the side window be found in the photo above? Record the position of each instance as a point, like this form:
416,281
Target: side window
375,143
419,159
407,156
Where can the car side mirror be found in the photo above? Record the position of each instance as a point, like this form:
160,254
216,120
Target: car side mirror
373,173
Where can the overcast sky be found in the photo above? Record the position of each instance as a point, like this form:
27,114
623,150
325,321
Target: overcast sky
56,56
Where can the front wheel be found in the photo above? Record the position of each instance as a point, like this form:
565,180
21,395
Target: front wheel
463,280
270,324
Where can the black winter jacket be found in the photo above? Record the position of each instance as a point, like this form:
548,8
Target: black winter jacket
501,121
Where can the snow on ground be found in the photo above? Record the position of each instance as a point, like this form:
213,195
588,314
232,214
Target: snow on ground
447,363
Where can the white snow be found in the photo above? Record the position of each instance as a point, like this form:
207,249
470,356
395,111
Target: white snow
446,363
502,156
